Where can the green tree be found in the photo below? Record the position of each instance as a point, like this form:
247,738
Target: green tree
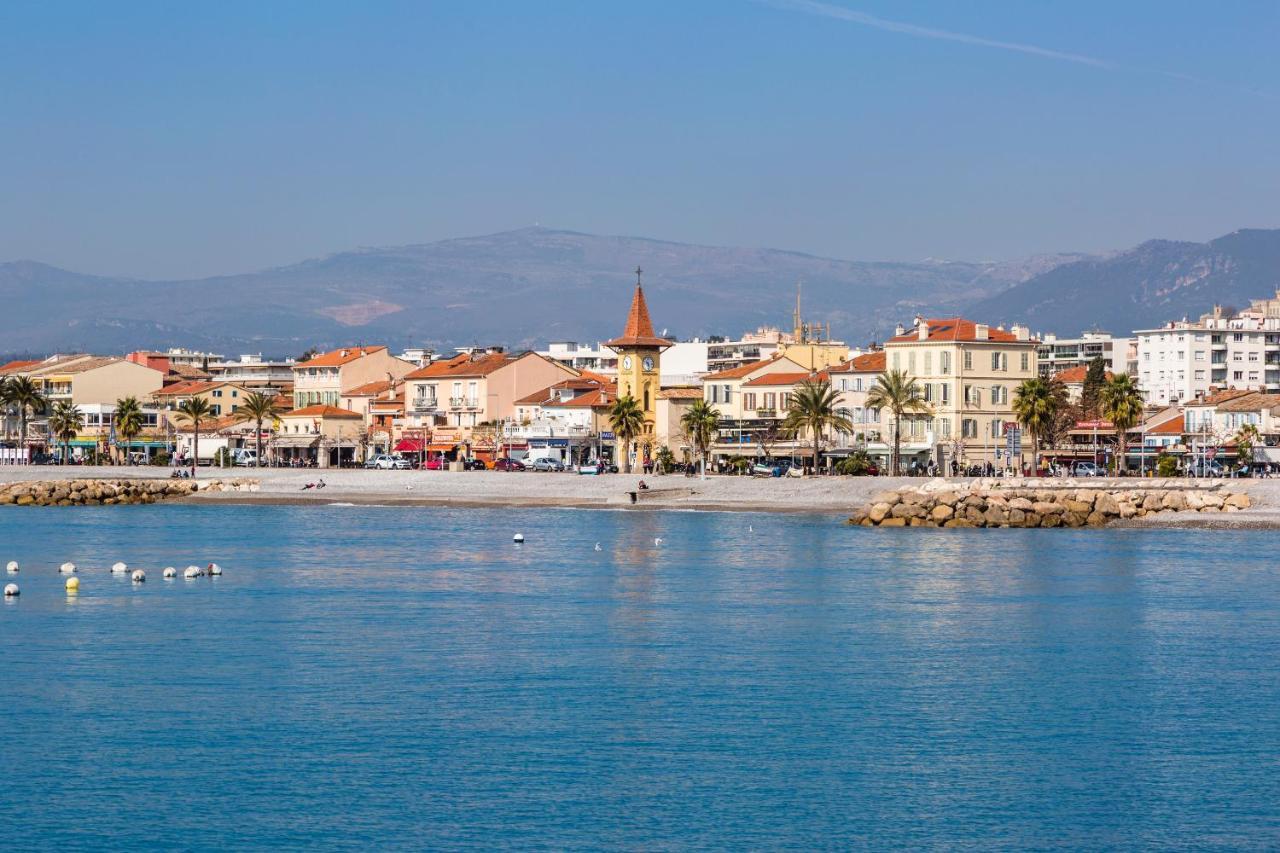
1120,402
701,423
259,407
195,410
23,394
128,416
627,420
65,421
813,410
1036,404
664,459
1247,438
857,464
897,394
1094,379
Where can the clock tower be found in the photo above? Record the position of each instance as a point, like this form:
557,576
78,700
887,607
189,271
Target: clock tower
640,365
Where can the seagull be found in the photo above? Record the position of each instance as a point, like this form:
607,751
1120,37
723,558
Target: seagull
598,548
657,540
750,529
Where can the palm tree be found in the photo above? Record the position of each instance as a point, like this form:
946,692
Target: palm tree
900,395
193,410
627,419
65,421
1247,438
128,422
259,406
813,410
1036,403
22,393
1120,402
701,423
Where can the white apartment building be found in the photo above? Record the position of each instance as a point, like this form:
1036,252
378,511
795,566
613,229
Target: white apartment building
254,371
1183,360
1056,354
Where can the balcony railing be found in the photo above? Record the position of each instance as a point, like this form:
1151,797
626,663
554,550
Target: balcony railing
426,404
463,403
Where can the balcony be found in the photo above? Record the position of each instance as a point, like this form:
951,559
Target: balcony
425,405
463,403
766,413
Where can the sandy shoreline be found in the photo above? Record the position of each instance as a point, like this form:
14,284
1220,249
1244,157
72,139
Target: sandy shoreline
835,496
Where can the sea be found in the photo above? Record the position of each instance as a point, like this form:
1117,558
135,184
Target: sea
410,678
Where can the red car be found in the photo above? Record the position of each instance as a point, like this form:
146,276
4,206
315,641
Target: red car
505,464
435,463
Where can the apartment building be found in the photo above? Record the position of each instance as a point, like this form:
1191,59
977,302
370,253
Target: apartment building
1057,354
1183,360
967,373
224,398
852,381
476,388
752,400
322,380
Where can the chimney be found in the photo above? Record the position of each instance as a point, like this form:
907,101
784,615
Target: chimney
981,332
344,353
1020,332
898,331
922,329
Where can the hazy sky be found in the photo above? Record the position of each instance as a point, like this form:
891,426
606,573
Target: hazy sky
184,139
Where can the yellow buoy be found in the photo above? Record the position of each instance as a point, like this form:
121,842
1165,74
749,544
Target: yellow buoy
73,584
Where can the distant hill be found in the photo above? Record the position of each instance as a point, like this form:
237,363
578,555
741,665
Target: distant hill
519,288
1143,287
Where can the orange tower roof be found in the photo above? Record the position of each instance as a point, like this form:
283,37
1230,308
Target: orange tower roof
639,329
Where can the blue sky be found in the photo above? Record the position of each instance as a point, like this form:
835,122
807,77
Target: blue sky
162,139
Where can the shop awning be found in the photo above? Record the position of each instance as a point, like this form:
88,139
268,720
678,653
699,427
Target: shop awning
408,445
441,448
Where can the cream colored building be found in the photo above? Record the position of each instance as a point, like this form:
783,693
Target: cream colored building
750,404
84,379
323,379
968,373
327,435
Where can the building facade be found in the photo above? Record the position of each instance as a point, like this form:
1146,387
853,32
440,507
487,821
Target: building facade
640,369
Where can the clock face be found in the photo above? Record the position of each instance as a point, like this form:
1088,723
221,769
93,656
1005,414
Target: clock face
626,363
648,364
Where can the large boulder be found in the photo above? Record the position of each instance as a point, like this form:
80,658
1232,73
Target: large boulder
942,512
1238,500
878,512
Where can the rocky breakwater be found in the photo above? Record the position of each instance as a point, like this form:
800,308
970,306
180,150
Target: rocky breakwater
111,492
1028,503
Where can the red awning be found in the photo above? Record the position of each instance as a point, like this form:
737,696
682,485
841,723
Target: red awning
408,445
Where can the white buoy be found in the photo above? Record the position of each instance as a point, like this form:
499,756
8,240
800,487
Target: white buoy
67,568
170,573
192,572
11,590
657,540
518,539
73,584
139,576
118,568
214,569
750,529
12,568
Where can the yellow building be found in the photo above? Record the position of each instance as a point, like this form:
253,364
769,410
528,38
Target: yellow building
968,373
639,367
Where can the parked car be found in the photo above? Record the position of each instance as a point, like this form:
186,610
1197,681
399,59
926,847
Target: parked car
474,464
245,456
1206,468
435,463
1086,469
547,464
387,462
507,464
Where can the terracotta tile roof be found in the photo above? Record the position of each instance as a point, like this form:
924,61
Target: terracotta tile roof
639,329
774,379
1219,397
956,329
94,363
1252,402
1076,375
1172,426
322,411
742,369
15,366
186,389
188,371
593,399
463,365
339,357
369,389
868,362
680,394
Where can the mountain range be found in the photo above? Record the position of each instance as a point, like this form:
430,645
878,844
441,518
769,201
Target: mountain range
526,287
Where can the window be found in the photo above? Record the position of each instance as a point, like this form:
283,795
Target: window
749,399
968,360
1237,356
769,399
945,389
895,361
970,396
928,364
997,428
857,384
969,428
944,361
844,384
1253,356
911,363
944,426
928,392
1199,355
995,361
1200,375
1026,361
1237,374
1238,337
217,392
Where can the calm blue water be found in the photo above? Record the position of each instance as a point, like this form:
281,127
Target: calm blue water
407,678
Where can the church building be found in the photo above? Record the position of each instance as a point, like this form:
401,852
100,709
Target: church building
639,367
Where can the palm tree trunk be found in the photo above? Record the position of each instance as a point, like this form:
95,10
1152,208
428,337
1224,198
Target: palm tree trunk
195,446
258,460
897,445
817,441
22,421
1120,448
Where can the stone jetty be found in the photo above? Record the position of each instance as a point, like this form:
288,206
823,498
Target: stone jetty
104,492
1030,503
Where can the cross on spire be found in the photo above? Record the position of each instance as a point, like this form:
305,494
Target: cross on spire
638,271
